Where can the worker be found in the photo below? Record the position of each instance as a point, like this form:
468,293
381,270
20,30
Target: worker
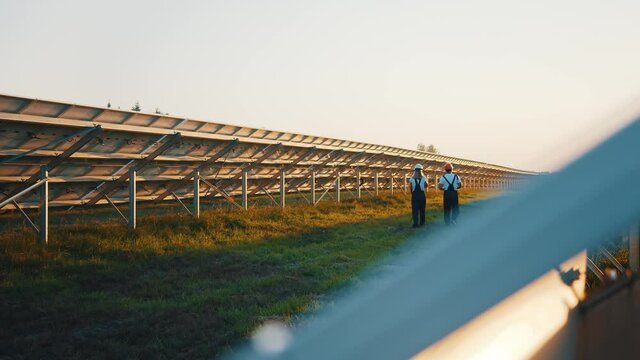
418,196
450,183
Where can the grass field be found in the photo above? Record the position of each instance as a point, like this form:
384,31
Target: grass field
186,288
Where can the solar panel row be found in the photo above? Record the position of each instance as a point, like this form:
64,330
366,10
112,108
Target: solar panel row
89,153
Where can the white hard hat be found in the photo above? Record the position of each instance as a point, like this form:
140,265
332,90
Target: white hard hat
418,166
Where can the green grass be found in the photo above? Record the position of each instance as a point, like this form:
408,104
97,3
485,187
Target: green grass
186,288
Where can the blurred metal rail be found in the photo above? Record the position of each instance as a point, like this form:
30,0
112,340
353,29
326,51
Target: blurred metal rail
467,270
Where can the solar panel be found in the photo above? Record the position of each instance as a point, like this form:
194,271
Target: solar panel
89,151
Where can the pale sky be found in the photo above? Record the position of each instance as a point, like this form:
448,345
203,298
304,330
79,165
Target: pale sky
522,84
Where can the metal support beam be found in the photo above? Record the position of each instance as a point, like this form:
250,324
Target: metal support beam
404,183
283,189
43,235
266,191
132,199
376,183
221,192
310,151
87,135
26,217
303,195
338,186
391,183
245,183
266,154
20,193
139,164
358,185
327,159
313,187
84,132
201,167
196,193
113,205
364,186
345,186
323,194
175,196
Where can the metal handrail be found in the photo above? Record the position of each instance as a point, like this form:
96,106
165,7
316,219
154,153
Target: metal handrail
512,242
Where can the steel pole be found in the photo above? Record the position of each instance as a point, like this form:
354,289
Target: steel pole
282,188
132,199
196,193
313,187
338,186
404,183
391,185
375,182
43,234
359,187
245,184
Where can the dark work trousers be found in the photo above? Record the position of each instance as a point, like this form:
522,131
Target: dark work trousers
418,206
451,208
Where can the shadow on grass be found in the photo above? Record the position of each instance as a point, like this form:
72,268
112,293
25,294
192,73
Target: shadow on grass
182,287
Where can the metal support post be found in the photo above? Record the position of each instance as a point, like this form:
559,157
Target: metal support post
358,185
313,187
404,183
391,183
132,199
338,186
375,182
43,237
282,188
196,193
245,183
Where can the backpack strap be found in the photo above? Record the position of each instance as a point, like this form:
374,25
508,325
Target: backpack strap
451,186
447,180
417,182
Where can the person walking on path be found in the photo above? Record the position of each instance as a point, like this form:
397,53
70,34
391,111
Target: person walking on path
418,196
450,183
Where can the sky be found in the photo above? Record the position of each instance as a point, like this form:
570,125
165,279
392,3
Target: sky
529,85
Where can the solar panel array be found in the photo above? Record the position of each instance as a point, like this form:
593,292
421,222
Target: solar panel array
89,152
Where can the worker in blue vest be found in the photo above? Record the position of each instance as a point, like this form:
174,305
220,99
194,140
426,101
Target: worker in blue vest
450,183
418,196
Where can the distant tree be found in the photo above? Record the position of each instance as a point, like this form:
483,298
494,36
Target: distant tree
136,107
428,148
109,104
158,111
432,149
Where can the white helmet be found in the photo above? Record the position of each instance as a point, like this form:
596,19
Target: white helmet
419,167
